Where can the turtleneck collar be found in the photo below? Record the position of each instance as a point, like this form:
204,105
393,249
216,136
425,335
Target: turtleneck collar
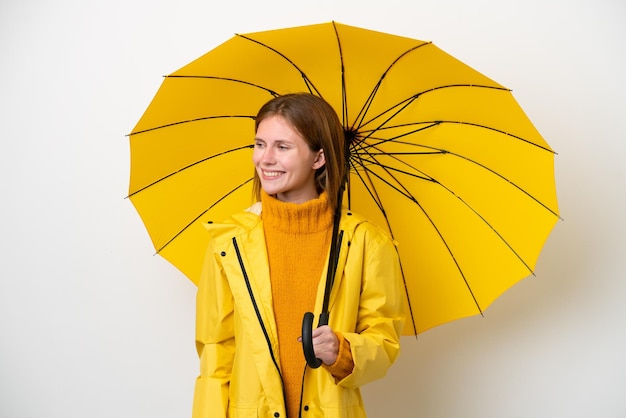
309,217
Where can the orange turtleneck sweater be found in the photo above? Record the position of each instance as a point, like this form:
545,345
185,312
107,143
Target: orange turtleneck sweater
298,240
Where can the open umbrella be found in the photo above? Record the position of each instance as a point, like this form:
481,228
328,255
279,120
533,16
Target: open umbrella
441,156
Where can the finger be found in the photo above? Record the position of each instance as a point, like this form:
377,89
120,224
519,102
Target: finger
323,330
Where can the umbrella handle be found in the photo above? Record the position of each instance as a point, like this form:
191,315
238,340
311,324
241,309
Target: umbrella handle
307,338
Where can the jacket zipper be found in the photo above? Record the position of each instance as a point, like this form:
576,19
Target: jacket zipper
336,262
255,305
302,391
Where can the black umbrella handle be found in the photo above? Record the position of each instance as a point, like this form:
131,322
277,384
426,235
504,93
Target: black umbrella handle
307,338
307,321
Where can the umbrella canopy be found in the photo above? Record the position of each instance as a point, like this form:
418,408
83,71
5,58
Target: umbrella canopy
441,156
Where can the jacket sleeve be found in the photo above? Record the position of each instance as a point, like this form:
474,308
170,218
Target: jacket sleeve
375,344
215,341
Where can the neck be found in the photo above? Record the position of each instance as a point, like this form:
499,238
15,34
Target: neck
300,218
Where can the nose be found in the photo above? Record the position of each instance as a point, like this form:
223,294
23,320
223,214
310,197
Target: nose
267,156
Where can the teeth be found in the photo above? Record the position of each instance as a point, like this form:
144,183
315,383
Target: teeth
271,173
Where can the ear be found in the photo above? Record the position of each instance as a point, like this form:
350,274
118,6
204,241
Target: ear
320,160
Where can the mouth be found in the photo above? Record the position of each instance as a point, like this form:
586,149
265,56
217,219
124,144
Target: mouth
271,174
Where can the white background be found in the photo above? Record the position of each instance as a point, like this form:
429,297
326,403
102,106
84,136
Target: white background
93,325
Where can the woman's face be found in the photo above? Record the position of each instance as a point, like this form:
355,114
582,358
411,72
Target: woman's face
284,162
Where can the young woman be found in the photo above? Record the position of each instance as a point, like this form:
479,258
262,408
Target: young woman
266,267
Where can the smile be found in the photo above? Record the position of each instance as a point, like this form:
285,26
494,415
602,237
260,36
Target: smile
271,173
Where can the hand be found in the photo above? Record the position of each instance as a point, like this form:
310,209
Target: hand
325,344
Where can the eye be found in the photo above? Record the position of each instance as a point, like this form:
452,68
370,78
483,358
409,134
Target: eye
259,144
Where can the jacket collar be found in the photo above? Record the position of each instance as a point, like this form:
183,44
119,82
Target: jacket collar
246,220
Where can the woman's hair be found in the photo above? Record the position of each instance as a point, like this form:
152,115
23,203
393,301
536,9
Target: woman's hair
317,122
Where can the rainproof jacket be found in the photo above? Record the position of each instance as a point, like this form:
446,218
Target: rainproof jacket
236,337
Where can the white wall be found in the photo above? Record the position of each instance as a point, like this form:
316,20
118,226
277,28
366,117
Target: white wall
92,325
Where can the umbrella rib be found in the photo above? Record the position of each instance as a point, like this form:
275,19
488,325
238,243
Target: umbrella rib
400,106
234,80
311,87
519,138
379,141
182,122
400,189
434,123
344,96
370,99
360,118
444,151
201,214
389,169
431,124
188,167
374,195
495,231
407,194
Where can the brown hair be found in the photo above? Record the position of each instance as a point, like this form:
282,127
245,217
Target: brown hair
317,122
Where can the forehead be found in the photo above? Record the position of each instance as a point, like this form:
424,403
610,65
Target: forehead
277,128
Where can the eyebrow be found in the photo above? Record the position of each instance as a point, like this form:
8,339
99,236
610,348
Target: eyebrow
278,141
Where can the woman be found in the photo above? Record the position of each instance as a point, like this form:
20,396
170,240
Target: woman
266,267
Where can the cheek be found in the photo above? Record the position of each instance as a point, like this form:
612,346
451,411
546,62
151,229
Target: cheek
256,156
